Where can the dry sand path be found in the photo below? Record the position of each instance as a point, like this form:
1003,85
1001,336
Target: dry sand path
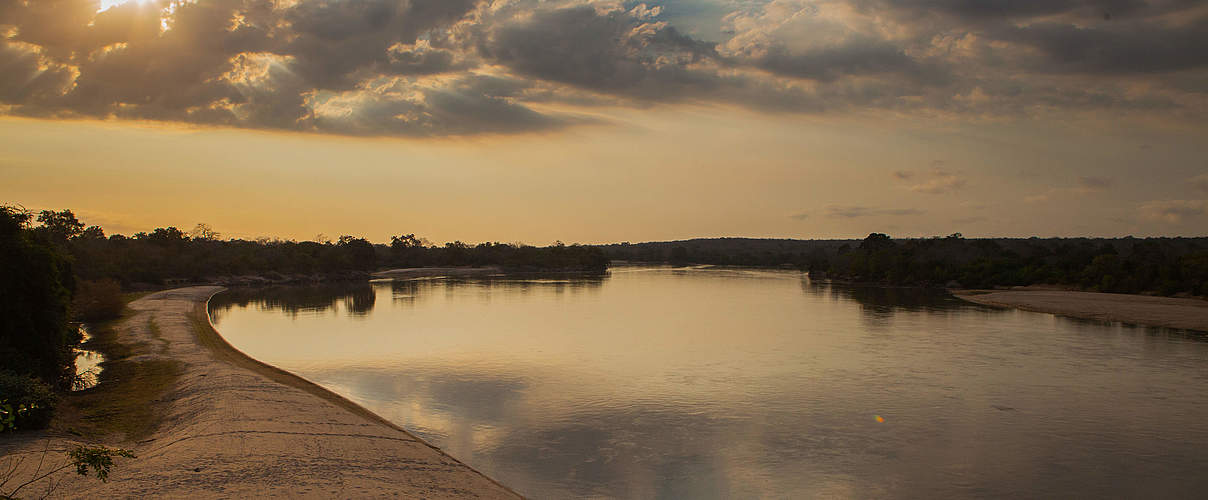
1188,314
236,428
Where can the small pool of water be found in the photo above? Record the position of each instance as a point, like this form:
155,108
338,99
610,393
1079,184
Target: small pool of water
88,364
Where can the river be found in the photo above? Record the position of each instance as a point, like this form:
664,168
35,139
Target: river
657,382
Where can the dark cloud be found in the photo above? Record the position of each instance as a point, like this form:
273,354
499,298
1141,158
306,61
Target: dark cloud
999,9
473,104
1114,48
25,79
613,52
338,43
859,57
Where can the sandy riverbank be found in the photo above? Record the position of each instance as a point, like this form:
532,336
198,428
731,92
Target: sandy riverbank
425,272
1188,314
230,426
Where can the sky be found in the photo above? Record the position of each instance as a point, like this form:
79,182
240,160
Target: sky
604,121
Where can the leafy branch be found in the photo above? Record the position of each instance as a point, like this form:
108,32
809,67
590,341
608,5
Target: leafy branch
95,457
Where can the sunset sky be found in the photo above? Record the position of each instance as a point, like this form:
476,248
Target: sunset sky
601,121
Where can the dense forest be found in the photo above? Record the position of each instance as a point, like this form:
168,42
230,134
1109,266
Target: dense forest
1167,266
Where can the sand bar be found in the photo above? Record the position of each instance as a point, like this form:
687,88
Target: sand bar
1187,314
237,428
427,272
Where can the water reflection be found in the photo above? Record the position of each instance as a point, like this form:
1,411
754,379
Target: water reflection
356,298
359,298
729,383
88,364
885,300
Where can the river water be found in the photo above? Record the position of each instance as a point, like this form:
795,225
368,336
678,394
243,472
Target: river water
657,382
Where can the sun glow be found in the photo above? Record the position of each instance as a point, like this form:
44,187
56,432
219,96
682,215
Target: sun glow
105,4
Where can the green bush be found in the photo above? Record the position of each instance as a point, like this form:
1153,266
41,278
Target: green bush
25,402
98,300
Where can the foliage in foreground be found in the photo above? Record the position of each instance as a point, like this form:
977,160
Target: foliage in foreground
25,402
97,458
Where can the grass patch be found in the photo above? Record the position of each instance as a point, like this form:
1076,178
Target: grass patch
133,296
122,406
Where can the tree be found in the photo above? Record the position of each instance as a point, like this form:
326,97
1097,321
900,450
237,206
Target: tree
358,253
36,284
61,225
204,232
406,250
876,241
678,255
166,236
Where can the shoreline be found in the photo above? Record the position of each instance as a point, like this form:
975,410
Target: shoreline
230,425
428,272
1142,310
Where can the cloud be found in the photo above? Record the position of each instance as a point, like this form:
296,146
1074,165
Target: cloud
938,181
1038,198
407,67
1199,182
1112,48
852,212
615,52
1015,9
1174,211
800,217
859,57
1094,184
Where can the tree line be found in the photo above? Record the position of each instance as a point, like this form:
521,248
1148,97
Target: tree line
172,255
1167,266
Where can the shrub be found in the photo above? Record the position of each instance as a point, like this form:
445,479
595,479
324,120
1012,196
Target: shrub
25,402
98,300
